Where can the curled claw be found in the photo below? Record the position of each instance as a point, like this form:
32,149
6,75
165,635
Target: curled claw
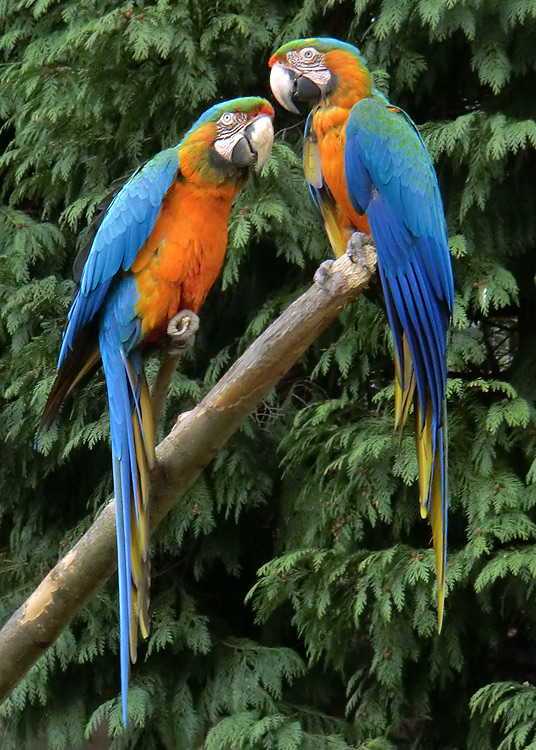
322,274
181,331
355,249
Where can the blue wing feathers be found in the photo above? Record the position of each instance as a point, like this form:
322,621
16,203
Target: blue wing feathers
427,341
412,300
405,212
108,297
390,176
387,144
128,222
400,321
358,179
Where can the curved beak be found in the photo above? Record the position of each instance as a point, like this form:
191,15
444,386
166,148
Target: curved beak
289,87
282,81
255,143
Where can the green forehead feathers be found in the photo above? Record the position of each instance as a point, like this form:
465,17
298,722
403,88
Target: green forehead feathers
322,44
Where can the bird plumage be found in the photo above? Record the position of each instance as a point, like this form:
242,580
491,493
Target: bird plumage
158,250
371,172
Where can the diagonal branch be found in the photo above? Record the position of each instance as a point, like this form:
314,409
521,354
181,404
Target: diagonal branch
181,456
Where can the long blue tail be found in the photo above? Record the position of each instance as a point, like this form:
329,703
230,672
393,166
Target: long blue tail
419,316
132,435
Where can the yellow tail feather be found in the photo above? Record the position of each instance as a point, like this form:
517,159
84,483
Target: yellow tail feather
431,488
143,432
431,481
404,385
133,639
86,367
146,410
143,487
438,532
424,439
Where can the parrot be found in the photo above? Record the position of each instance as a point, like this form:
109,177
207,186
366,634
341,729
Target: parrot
369,171
159,248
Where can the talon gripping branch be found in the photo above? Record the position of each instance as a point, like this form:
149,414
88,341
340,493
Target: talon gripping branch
158,250
369,170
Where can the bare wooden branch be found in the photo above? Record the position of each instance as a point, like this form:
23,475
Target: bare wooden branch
181,456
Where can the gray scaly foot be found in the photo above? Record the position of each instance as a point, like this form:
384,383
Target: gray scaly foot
181,331
355,249
322,274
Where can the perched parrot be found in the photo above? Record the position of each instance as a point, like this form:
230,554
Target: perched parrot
158,250
369,171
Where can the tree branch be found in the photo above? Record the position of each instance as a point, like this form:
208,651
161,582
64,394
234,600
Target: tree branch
181,456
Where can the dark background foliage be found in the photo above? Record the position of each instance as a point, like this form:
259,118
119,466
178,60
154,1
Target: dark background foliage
293,595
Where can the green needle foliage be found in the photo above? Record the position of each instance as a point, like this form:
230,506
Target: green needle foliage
293,594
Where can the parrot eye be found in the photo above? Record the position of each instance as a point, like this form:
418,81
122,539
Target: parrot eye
309,53
230,123
231,120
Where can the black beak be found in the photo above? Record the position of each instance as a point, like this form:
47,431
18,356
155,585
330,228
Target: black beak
304,90
289,87
255,145
243,155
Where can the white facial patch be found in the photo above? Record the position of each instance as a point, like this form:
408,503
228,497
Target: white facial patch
224,146
321,77
310,62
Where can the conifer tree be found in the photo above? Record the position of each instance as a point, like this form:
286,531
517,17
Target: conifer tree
293,596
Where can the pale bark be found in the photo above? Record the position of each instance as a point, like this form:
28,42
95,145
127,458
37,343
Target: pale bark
181,456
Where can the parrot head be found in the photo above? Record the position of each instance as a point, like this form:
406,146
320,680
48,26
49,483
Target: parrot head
228,139
308,70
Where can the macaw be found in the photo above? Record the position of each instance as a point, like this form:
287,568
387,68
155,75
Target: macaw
369,171
158,249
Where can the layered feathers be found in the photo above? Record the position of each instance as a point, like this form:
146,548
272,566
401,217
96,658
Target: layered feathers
158,250
390,177
366,162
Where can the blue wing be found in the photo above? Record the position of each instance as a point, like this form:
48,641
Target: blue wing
103,288
127,223
125,227
390,175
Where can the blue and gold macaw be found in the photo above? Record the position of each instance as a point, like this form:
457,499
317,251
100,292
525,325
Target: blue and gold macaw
369,170
157,251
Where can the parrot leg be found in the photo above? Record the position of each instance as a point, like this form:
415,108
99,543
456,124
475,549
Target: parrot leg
322,274
181,331
355,249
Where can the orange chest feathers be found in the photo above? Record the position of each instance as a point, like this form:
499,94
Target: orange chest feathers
330,128
183,255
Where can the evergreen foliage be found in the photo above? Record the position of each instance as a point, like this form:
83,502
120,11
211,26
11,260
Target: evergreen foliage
333,645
